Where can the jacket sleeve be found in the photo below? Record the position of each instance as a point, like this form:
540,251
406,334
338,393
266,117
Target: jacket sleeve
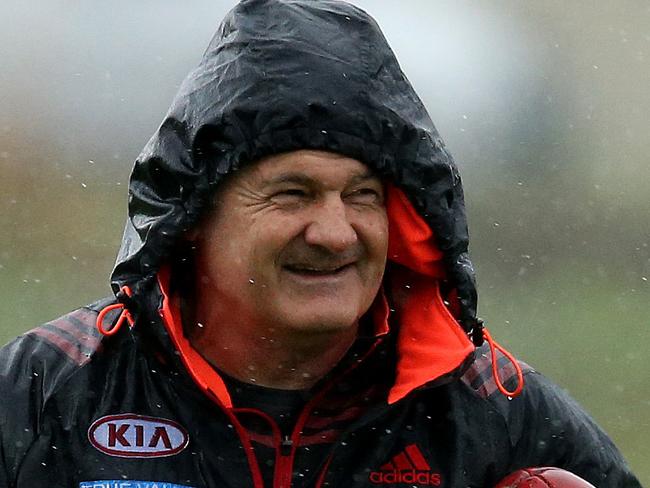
17,408
548,428
25,372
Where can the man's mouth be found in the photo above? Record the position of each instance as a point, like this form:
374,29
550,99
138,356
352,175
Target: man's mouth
311,270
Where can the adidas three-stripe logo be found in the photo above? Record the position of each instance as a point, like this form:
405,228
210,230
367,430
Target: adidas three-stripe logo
409,466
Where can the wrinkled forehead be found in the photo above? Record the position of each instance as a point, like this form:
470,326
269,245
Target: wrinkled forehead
305,166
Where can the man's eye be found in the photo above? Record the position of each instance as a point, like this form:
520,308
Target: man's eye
367,195
368,191
293,192
290,195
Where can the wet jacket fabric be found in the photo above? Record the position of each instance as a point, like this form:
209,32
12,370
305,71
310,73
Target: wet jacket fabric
415,402
81,410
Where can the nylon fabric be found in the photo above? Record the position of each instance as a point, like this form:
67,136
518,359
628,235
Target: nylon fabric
280,76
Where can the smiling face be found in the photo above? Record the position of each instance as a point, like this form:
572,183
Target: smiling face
296,241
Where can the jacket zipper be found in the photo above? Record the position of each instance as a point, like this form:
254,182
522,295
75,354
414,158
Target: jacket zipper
284,463
286,451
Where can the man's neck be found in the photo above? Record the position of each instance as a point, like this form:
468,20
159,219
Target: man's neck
268,356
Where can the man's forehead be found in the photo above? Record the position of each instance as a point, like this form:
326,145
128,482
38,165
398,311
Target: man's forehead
308,165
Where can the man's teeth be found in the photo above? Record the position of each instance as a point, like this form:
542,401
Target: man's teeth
306,269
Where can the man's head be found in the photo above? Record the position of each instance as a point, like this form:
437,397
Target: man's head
295,241
282,76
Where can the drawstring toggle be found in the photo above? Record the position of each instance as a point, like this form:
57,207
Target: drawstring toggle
124,295
494,346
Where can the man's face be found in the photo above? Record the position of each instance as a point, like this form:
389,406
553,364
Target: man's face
296,241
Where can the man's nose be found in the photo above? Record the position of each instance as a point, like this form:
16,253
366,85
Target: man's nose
330,226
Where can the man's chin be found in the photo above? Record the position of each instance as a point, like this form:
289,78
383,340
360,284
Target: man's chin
312,322
338,311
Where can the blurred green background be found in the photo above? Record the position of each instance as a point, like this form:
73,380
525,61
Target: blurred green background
545,106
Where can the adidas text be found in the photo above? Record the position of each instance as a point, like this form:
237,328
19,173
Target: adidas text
408,476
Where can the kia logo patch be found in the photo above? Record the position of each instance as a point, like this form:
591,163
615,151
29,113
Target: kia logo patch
139,436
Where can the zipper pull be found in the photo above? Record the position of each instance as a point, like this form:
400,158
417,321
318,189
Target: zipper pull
285,445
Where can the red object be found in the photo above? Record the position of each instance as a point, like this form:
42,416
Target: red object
125,315
543,478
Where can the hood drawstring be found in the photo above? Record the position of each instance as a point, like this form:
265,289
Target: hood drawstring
123,298
495,346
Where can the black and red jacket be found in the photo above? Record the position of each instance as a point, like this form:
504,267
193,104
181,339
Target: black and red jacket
83,410
420,401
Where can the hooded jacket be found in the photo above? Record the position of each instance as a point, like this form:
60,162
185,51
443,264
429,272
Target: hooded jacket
418,403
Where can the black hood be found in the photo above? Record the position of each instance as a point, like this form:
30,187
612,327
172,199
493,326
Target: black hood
282,75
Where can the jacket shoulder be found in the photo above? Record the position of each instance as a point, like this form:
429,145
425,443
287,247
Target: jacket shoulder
50,353
32,368
72,337
547,427
479,376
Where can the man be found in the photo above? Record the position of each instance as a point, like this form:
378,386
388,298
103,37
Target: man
295,305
